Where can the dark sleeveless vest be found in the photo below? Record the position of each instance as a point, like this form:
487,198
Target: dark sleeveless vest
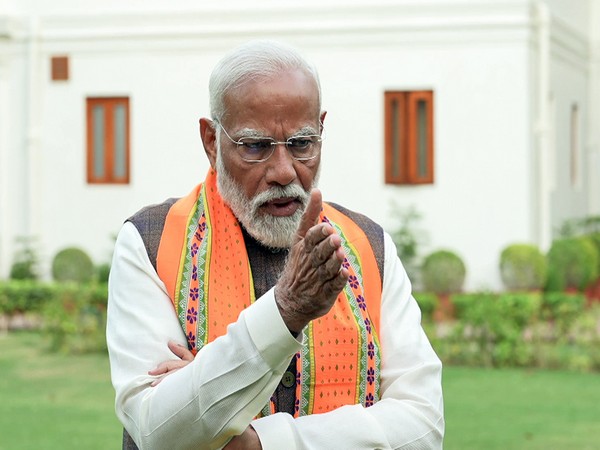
266,266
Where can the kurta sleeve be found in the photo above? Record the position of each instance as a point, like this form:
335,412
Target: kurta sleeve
215,397
410,412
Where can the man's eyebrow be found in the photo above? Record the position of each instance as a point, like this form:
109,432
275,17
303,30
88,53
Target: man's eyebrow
249,132
304,131
253,133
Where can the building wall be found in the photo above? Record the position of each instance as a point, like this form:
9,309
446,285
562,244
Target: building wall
570,87
474,55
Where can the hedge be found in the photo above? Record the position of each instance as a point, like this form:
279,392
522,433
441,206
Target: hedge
72,315
545,330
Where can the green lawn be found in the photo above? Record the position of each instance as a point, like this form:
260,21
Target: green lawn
521,409
52,401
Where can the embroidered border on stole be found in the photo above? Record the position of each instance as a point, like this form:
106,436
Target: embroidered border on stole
347,327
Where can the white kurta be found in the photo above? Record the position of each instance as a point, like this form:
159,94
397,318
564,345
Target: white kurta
217,395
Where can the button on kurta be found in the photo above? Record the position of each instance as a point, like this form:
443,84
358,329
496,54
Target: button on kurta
288,379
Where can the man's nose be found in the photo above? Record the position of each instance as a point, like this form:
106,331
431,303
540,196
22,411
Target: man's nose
280,168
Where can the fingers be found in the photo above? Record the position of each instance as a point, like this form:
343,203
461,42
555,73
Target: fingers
170,366
180,351
331,267
311,214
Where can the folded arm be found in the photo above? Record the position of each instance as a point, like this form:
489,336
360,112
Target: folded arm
208,401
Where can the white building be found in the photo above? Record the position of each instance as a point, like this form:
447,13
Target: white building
515,85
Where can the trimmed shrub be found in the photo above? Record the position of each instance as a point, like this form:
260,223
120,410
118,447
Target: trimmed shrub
72,264
102,273
523,267
443,272
428,303
572,264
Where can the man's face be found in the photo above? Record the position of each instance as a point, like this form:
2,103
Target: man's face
269,197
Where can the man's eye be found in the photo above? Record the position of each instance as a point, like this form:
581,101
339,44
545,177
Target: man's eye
256,145
299,143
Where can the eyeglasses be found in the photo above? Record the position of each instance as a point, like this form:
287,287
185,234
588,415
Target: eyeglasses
259,149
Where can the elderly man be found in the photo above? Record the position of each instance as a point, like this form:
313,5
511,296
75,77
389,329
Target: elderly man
250,314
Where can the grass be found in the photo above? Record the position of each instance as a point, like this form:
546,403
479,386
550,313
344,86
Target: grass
55,401
521,409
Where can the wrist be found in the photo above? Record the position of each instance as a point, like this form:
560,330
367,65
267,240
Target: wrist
293,320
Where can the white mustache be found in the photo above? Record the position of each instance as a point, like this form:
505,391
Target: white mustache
292,190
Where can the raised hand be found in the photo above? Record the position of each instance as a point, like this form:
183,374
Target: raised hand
313,275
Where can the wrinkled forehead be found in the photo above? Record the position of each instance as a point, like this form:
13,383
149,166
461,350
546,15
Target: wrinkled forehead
282,92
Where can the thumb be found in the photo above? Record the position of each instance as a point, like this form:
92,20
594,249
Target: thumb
311,214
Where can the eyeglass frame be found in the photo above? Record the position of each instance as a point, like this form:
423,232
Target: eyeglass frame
274,143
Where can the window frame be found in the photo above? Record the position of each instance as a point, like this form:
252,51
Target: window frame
401,138
109,104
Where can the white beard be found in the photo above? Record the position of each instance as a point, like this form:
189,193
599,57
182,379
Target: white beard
271,231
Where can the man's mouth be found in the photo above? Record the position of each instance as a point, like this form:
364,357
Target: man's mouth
281,207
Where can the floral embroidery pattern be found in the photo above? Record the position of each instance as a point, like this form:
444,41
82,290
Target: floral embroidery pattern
191,339
361,302
370,375
191,315
371,350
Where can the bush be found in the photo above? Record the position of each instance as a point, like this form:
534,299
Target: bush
491,328
443,272
72,264
25,265
595,239
20,296
572,264
73,315
562,308
428,303
523,267
102,273
75,318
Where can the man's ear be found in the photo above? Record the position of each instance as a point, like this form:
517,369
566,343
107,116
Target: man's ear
322,118
209,140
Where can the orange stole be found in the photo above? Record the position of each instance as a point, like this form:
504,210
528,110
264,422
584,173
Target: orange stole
203,262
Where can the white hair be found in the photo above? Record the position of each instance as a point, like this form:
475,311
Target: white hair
251,61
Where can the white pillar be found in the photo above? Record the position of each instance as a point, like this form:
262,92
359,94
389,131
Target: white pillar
543,127
5,232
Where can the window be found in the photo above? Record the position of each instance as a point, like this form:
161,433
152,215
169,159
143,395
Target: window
108,140
409,137
60,68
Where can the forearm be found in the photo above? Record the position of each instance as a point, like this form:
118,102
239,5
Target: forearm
389,424
212,399
410,413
